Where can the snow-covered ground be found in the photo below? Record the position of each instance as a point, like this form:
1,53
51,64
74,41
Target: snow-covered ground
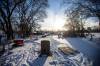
74,60
28,55
88,48
20,56
95,38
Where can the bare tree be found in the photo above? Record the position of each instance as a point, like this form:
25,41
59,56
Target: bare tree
29,13
24,14
77,19
95,9
91,7
7,8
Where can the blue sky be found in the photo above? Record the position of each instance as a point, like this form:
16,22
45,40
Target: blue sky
54,5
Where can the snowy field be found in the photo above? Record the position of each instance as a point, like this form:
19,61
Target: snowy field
95,38
28,55
74,60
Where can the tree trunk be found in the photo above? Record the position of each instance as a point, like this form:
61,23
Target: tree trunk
98,15
9,30
99,25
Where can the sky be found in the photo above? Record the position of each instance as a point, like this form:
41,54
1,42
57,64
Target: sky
56,19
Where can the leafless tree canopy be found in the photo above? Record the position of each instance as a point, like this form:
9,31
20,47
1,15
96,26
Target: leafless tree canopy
80,10
21,14
85,8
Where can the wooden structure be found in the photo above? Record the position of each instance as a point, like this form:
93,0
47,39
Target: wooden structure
45,47
67,50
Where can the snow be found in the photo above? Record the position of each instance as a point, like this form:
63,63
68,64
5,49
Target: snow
76,60
62,41
19,55
96,35
89,49
28,55
95,38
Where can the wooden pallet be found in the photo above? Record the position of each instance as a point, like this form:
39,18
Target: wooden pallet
67,50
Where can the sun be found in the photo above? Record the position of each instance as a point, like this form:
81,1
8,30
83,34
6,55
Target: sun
54,22
58,23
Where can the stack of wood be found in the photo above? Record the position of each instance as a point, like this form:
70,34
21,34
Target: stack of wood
45,47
